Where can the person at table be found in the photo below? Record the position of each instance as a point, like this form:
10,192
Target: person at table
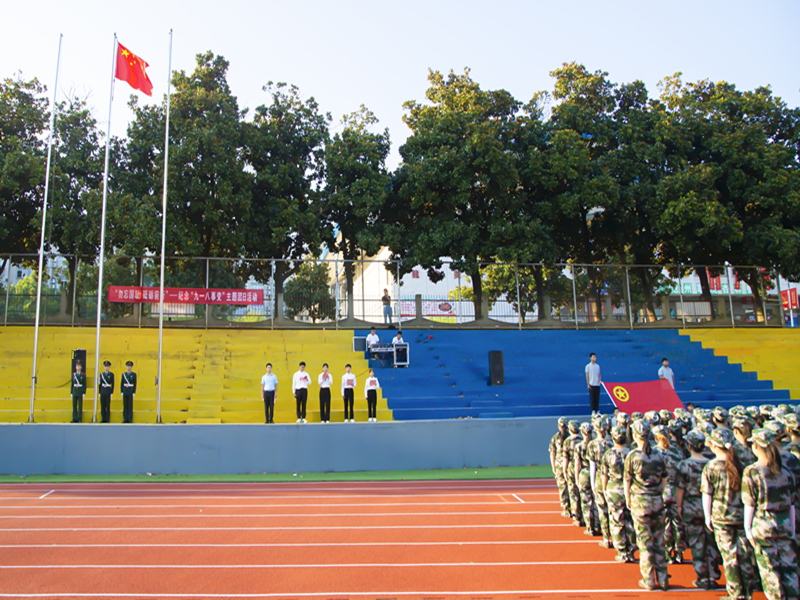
400,352
373,339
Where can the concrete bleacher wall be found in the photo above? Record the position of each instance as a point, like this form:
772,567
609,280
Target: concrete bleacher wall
27,449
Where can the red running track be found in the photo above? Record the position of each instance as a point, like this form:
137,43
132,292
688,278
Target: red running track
403,540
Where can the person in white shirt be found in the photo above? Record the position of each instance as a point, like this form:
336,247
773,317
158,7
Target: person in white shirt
373,339
269,387
300,383
400,353
348,395
324,380
371,388
398,339
666,373
593,381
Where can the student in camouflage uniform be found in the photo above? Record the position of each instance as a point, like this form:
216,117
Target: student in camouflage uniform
584,480
705,555
789,460
645,477
672,457
613,482
556,447
568,462
597,448
724,514
768,493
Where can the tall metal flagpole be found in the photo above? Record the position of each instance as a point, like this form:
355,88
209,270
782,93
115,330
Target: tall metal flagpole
163,237
44,223
103,236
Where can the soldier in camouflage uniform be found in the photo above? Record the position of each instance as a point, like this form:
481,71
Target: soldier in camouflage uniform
583,477
724,513
768,493
613,482
645,477
568,467
672,530
597,448
705,555
556,447
789,460
742,428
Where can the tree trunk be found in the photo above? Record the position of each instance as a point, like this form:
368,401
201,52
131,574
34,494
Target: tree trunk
702,273
751,276
477,293
71,264
281,272
538,278
647,292
349,276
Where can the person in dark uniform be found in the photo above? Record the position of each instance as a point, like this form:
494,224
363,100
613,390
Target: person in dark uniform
78,388
128,391
106,391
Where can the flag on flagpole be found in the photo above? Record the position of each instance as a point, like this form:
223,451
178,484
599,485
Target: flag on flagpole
131,69
643,396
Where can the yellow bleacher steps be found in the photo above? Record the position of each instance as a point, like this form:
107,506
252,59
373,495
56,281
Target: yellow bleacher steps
768,352
209,376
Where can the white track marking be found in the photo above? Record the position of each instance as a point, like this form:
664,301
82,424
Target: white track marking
433,593
91,495
283,515
116,505
322,566
46,495
307,545
334,528
521,500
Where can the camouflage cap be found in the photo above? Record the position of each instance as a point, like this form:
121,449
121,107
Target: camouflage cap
601,423
762,437
623,418
775,427
665,415
696,439
722,438
675,426
660,430
721,414
740,421
574,426
562,421
785,408
619,434
753,411
681,413
791,422
766,409
586,428
641,428
637,416
653,417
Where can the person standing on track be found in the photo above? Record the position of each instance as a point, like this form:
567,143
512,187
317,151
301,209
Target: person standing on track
324,380
568,462
128,392
613,482
105,392
597,448
768,492
371,387
593,382
78,389
348,393
300,383
584,481
556,448
672,529
645,478
269,387
724,513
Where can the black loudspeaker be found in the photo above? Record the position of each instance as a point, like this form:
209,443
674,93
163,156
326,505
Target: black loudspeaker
496,376
78,355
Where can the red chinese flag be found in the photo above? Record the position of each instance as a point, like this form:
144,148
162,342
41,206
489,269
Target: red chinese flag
131,68
643,396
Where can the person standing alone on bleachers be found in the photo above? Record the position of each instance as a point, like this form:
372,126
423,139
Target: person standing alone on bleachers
269,387
386,300
324,380
593,381
300,383
128,392
666,373
348,393
106,391
371,388
78,388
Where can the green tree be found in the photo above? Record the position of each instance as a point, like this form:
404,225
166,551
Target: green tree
308,293
356,187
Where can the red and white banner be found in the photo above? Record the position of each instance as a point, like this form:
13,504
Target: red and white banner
643,396
135,294
789,298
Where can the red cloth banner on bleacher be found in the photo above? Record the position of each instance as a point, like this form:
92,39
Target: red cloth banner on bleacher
643,396
136,294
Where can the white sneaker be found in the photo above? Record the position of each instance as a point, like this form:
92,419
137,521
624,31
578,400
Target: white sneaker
299,421
304,421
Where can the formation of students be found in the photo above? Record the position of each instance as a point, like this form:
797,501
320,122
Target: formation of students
300,383
722,484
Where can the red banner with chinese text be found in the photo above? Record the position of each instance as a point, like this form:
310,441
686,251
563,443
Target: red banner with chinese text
643,396
135,294
789,298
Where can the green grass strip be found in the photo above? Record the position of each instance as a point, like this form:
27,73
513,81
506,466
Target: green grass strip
534,472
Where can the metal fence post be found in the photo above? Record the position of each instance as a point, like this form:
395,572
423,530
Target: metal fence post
363,293
460,316
777,277
8,287
629,303
274,298
75,289
730,296
680,292
397,295
574,297
519,303
763,297
336,283
205,306
141,284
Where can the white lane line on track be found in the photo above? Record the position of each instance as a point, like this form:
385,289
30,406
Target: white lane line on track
323,566
172,488
284,515
334,528
308,545
46,495
518,498
432,593
91,496
117,505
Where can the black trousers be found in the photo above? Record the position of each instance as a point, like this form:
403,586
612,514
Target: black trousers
105,408
269,405
594,398
325,404
301,397
127,408
349,400
372,404
77,408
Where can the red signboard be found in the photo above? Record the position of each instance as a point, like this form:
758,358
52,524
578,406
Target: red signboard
122,293
789,298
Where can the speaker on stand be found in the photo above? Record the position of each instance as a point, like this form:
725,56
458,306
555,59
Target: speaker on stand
496,376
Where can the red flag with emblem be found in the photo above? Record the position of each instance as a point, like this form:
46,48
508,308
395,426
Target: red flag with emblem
643,396
131,68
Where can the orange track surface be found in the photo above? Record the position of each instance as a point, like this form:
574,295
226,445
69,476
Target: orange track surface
409,540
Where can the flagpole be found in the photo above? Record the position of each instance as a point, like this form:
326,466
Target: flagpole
103,235
163,236
44,223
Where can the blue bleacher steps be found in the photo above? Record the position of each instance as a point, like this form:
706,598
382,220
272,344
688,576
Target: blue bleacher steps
544,373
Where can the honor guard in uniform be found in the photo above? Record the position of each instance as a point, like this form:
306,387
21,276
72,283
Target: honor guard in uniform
106,391
128,391
78,390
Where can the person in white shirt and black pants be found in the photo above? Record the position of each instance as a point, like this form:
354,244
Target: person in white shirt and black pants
269,387
373,339
593,382
324,380
371,388
348,393
666,373
300,383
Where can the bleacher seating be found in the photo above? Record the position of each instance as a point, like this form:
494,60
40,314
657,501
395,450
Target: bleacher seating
544,372
209,376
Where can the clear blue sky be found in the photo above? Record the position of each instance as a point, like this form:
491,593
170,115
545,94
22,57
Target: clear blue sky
346,53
